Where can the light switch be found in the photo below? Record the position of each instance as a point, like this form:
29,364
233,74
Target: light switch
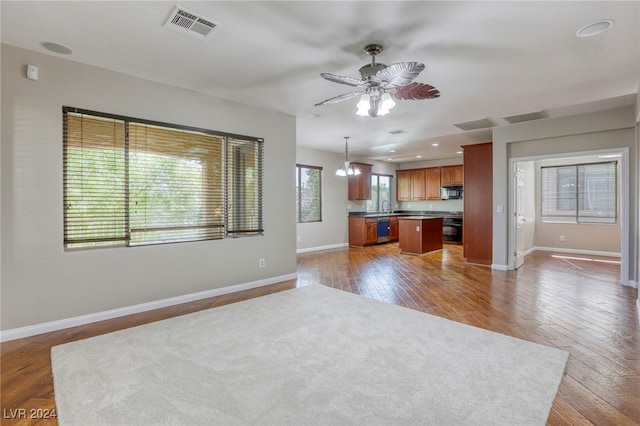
418,228
500,208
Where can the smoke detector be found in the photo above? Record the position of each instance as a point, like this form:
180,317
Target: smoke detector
190,23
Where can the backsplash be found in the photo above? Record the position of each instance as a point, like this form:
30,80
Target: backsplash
432,205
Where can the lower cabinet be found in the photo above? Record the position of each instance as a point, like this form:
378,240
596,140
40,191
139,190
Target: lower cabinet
363,231
393,229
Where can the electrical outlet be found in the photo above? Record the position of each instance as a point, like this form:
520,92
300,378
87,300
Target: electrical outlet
562,238
261,263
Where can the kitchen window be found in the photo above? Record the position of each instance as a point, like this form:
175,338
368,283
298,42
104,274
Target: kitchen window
580,193
131,182
380,193
308,193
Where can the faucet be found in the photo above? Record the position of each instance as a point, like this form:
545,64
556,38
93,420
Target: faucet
388,210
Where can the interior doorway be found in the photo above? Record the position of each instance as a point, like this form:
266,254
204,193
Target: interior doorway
524,205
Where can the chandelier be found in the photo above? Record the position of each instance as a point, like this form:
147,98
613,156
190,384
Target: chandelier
347,169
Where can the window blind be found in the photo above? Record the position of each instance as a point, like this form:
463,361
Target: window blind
244,167
175,185
132,182
95,187
580,193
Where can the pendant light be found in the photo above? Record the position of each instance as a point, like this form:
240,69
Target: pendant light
347,169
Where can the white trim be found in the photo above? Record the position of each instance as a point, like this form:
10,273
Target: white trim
320,248
578,251
499,267
32,330
638,308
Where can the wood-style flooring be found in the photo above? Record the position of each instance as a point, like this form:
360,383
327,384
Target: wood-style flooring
572,304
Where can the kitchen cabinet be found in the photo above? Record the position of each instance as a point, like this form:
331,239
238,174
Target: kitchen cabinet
477,226
393,228
420,234
403,185
363,231
360,185
451,175
432,183
410,185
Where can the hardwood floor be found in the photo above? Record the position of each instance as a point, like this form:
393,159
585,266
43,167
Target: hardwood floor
572,304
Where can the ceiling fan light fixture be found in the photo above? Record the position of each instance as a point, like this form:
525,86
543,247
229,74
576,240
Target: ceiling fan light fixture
387,101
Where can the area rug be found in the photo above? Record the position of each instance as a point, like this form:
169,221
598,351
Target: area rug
308,356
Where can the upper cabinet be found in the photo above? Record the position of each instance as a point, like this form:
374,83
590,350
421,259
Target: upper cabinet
451,175
410,185
360,185
418,184
433,183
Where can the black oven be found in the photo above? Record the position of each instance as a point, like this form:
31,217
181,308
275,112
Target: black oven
452,229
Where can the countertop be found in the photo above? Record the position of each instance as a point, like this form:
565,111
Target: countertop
409,213
419,217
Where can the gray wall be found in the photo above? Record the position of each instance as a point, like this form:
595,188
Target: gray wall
608,130
40,281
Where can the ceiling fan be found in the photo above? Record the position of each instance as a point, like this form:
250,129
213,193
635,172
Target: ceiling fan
380,84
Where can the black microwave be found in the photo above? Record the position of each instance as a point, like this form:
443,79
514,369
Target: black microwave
451,192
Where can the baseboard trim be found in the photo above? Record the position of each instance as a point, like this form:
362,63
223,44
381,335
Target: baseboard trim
578,251
32,330
321,248
499,267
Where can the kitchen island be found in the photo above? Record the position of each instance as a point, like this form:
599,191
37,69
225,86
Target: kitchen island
420,234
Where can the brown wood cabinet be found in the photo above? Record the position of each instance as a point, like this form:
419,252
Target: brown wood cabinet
433,183
451,175
393,229
363,231
477,226
410,185
420,234
403,185
360,185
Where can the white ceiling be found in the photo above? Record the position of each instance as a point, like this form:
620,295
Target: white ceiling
488,59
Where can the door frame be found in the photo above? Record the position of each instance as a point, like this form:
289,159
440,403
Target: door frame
624,203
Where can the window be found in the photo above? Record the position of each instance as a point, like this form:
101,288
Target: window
131,182
380,193
581,193
308,193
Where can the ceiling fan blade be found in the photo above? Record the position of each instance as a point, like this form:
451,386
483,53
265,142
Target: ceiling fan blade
399,74
350,81
416,91
340,98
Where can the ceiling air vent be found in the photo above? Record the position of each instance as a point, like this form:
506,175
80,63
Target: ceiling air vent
397,132
475,124
525,117
188,22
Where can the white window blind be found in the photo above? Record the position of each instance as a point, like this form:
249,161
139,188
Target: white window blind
581,193
131,182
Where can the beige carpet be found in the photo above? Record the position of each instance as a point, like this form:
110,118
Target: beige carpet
308,356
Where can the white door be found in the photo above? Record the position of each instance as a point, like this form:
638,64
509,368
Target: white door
519,217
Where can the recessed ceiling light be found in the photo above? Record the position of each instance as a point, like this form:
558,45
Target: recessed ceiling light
389,159
392,150
56,48
435,144
595,28
418,156
458,152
